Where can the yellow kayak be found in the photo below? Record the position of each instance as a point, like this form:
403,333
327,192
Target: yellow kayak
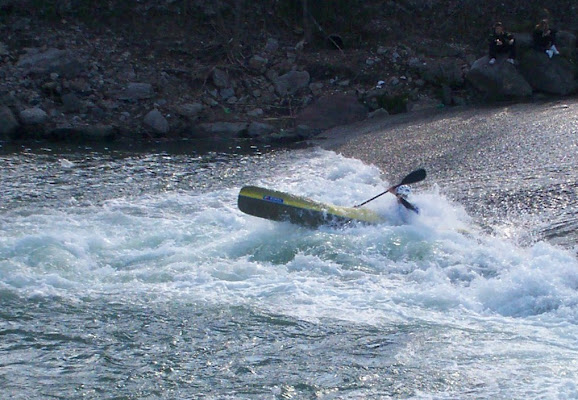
279,206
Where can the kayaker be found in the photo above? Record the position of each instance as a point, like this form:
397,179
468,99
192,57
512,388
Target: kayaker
402,193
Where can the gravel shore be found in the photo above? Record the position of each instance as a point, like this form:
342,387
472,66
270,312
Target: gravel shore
499,162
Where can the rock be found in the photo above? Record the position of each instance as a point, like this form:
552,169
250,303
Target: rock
226,93
292,135
71,103
62,62
210,101
272,74
221,78
226,129
442,72
379,113
51,88
291,82
523,40
419,83
566,42
155,121
271,46
554,76
190,110
8,123
268,96
79,86
331,111
316,88
372,97
127,72
257,112
33,116
258,63
3,50
257,129
415,63
137,91
97,113
423,102
305,131
499,80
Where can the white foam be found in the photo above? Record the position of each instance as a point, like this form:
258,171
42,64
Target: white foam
198,245
499,311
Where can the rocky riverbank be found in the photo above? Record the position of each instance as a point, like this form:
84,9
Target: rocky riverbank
66,80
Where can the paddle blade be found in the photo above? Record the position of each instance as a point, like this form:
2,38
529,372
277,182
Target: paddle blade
416,176
413,177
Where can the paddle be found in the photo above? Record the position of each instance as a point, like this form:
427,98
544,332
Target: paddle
413,177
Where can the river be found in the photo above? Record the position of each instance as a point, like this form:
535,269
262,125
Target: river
132,274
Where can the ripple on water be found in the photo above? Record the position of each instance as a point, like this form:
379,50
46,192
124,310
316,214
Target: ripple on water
153,284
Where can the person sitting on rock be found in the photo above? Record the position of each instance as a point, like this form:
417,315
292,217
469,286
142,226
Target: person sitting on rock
545,38
502,42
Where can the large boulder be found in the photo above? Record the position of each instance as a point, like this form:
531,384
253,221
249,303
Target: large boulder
33,116
190,111
258,63
136,91
291,82
566,43
223,129
8,123
500,80
156,122
331,111
554,76
442,72
523,40
259,129
221,78
63,62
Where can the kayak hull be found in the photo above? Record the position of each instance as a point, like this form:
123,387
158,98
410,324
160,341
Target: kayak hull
280,206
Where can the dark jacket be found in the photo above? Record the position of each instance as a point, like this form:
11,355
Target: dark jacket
500,39
500,43
543,41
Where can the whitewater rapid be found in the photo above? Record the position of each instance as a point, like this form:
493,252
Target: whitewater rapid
451,310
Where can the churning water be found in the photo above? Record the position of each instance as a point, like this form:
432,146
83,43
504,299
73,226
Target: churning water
135,276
